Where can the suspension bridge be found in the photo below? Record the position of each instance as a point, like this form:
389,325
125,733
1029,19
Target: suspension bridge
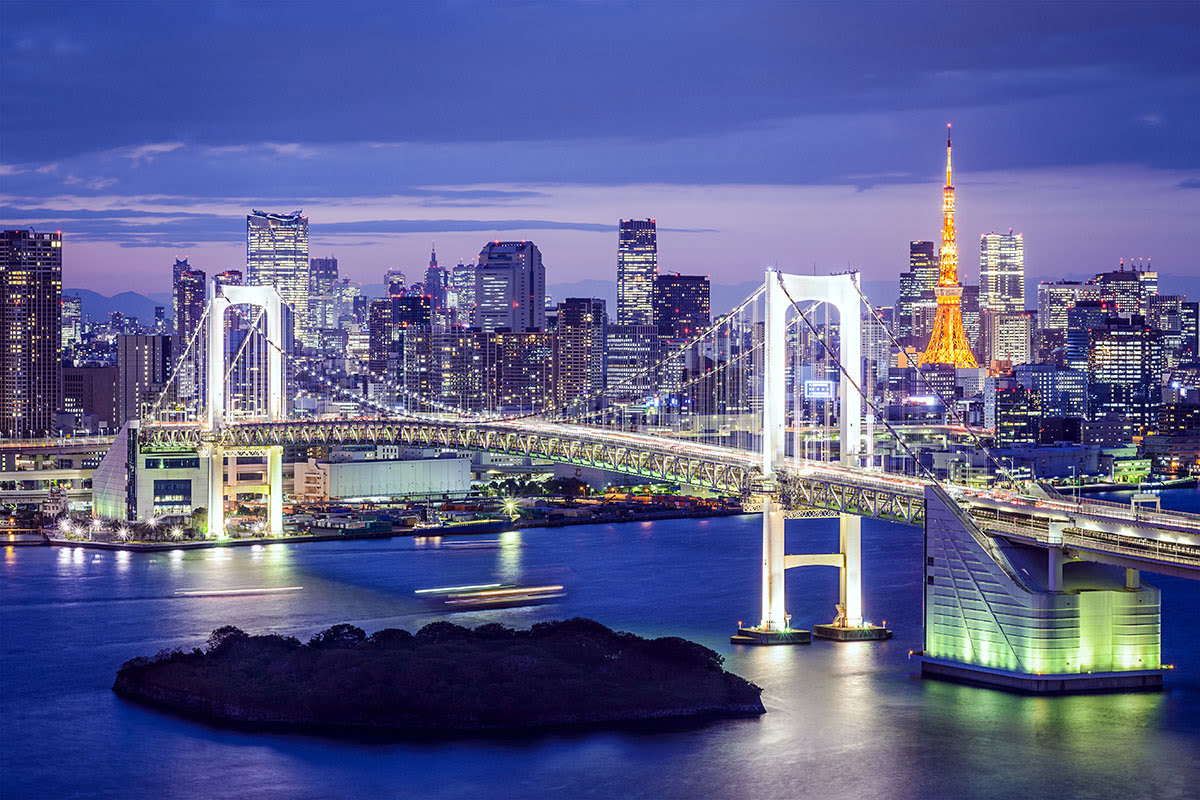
1024,588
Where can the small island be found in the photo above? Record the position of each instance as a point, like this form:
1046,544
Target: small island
444,678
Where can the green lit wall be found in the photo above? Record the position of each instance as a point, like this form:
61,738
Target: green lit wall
980,611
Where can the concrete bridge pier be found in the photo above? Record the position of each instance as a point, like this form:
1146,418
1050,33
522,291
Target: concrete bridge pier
1031,618
274,478
214,459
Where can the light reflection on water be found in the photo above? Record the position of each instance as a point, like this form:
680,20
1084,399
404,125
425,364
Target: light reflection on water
846,720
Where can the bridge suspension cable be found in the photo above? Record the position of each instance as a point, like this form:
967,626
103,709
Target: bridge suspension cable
153,413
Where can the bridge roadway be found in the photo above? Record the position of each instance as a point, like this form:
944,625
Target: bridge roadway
1154,540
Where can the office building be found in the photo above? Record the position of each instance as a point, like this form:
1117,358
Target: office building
72,323
917,301
30,331
681,306
579,351
1009,336
1054,300
1002,272
143,368
1082,319
1124,290
1063,392
230,277
510,288
1125,367
395,282
1189,327
630,350
1018,414
437,283
91,392
277,255
461,295
637,266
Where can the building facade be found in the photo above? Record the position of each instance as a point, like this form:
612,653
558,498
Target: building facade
30,331
277,255
637,266
510,288
1002,272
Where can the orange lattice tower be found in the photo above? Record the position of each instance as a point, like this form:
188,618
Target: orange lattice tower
948,343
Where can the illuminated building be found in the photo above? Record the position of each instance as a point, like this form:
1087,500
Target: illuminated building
143,367
681,305
948,343
1063,392
917,291
1189,325
1085,316
1125,366
189,301
637,266
579,349
1002,272
277,255
462,290
72,323
30,331
1165,313
323,299
631,348
394,280
230,277
510,288
1054,300
1124,290
436,283
1009,336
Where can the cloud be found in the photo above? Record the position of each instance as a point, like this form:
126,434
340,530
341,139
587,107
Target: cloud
1190,183
144,154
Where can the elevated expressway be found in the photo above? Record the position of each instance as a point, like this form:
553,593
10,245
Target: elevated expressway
1155,541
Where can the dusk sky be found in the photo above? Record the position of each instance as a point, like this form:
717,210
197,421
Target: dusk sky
777,133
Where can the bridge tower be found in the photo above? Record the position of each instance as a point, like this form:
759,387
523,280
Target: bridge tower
842,293
220,298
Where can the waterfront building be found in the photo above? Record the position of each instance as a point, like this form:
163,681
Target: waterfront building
681,305
1054,300
637,266
1125,367
1002,272
510,288
143,369
948,343
579,350
31,338
277,255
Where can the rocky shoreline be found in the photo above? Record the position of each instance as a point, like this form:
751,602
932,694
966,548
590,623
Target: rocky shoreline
444,679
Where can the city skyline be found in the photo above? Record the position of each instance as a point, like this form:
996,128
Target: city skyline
1082,145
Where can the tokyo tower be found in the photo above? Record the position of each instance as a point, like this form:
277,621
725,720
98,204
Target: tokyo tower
948,344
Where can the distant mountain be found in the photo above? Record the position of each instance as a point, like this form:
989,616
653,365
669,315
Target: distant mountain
131,304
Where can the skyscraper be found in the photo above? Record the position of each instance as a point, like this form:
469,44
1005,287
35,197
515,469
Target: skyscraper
916,288
510,287
277,255
637,266
189,299
462,286
1054,301
30,331
1002,272
436,283
143,367
681,305
1125,364
72,323
579,349
948,343
322,294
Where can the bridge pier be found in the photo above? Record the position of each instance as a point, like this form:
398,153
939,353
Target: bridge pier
215,458
275,490
993,617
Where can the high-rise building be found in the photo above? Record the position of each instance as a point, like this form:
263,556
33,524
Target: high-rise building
189,301
1125,366
579,350
1063,392
462,292
30,331
631,349
181,266
1054,300
1124,290
143,369
322,292
1002,272
948,343
1009,337
277,255
637,266
1084,317
89,391
510,287
437,282
1018,414
681,305
72,323
518,369
395,282
230,277
917,289
1189,325
1164,312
